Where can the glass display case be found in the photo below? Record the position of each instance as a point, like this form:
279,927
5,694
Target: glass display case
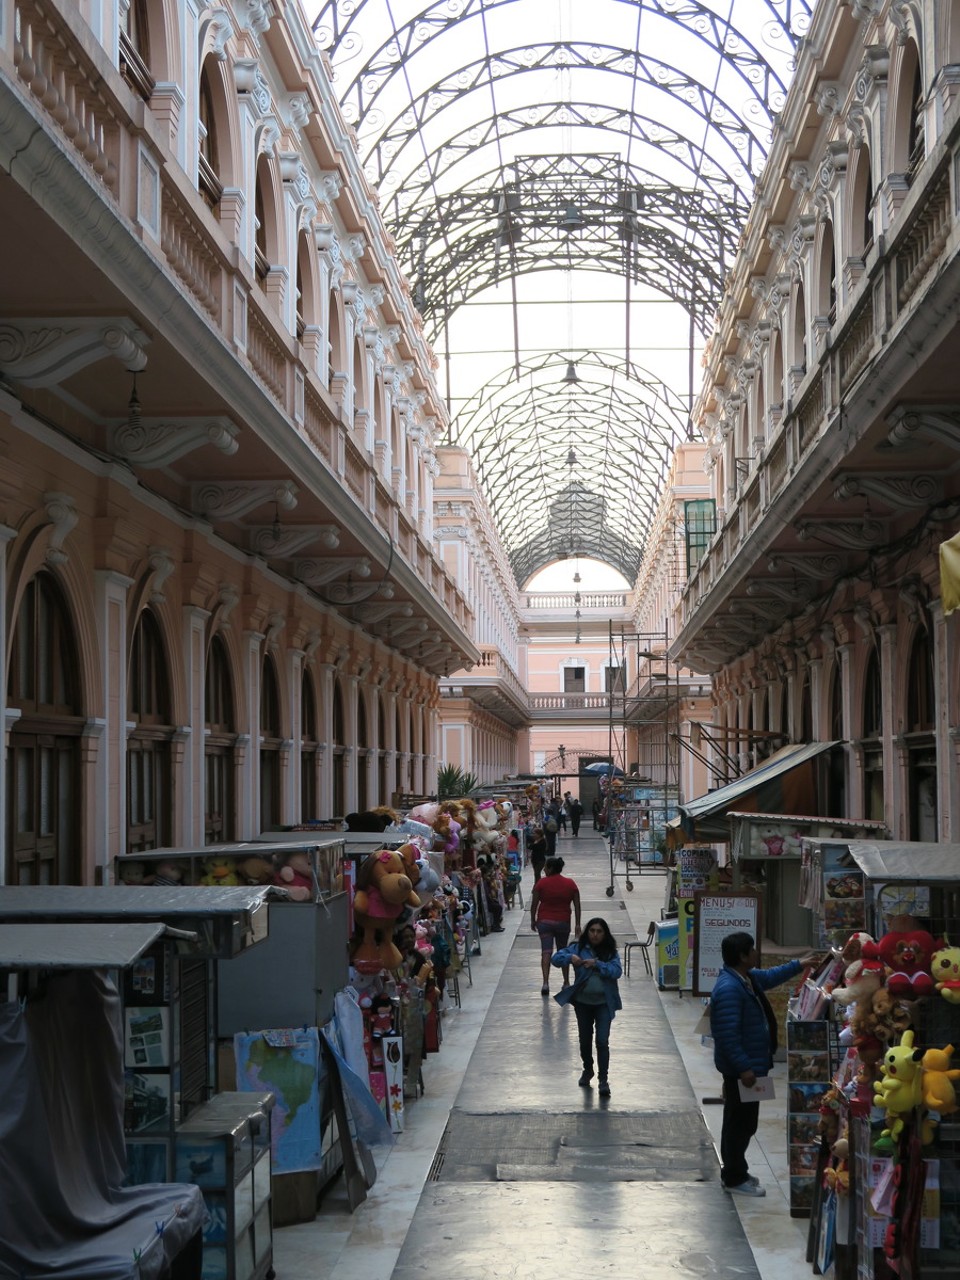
224,1149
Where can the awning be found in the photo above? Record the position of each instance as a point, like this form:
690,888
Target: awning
75,946
906,860
784,783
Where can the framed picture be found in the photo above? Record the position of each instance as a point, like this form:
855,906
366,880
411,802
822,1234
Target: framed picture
147,1042
148,1101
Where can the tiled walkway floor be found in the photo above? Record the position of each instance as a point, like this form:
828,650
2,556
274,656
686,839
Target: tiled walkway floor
508,1066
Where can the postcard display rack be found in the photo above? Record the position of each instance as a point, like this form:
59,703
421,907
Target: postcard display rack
224,1149
899,1212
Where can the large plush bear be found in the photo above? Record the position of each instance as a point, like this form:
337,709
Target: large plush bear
383,890
907,952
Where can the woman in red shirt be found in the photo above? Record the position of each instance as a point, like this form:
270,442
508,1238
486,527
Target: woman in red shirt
553,896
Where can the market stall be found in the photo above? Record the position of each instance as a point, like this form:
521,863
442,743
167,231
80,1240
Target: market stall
874,1138
65,1208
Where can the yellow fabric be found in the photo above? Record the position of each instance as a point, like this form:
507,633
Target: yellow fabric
950,574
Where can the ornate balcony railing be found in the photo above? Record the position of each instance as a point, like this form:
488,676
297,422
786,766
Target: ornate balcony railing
568,600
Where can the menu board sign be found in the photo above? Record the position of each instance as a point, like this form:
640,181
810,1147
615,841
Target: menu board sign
715,916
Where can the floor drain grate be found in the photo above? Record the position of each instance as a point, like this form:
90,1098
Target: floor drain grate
436,1168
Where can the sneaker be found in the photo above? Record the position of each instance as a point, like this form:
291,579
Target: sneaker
498,928
585,1077
603,1089
753,1180
746,1189
544,990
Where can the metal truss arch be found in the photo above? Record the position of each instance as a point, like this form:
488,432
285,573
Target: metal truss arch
743,127
572,468
674,240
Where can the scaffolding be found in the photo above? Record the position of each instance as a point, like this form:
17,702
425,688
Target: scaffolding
642,792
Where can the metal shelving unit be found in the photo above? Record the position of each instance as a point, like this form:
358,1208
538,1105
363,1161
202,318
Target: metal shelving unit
645,746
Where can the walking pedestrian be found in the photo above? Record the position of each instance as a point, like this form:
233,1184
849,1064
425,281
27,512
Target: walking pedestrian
595,996
538,852
551,826
576,814
550,903
596,813
560,808
744,1030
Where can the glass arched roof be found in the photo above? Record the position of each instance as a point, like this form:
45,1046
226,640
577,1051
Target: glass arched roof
566,182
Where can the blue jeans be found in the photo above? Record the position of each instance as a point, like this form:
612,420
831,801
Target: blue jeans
594,1018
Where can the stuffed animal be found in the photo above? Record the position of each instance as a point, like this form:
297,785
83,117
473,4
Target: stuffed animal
861,978
900,1090
828,1126
377,819
296,876
852,947
219,871
168,873
255,870
134,872
882,1020
837,1176
945,968
383,890
938,1089
907,953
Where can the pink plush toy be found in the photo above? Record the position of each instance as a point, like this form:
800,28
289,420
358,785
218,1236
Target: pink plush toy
295,876
907,953
383,890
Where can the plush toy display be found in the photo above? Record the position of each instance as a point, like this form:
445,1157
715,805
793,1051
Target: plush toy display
295,875
219,871
383,890
837,1176
907,952
945,968
853,947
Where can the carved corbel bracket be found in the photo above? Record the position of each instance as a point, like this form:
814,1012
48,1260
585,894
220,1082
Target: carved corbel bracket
155,442
44,353
231,500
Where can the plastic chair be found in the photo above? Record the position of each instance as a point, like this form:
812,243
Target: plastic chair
644,945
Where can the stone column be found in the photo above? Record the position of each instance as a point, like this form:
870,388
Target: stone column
111,591
193,779
7,534
248,768
894,757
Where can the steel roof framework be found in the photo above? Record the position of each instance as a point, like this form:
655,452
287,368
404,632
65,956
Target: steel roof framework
512,138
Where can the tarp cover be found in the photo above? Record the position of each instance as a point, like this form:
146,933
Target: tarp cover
911,860
784,783
63,1210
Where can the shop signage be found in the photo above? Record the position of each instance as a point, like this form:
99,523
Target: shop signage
715,916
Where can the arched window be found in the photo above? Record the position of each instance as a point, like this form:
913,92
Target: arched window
309,751
211,188
921,741
135,50
335,345
827,280
261,259
219,743
862,205
270,738
915,133
799,352
149,764
43,762
339,756
872,733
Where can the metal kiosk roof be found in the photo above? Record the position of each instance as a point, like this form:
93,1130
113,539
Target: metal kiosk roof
226,921
75,946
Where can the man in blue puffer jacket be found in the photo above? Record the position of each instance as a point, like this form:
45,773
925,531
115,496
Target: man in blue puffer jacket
743,1027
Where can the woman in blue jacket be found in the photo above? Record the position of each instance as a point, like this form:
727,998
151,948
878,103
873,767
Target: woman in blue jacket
743,1027
595,995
